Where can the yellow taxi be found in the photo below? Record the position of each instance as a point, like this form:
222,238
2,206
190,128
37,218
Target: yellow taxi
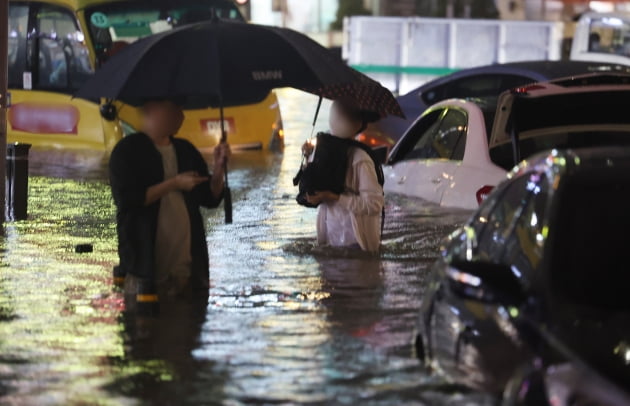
54,45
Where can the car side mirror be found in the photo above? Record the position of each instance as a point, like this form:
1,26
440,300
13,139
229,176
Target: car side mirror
109,111
486,282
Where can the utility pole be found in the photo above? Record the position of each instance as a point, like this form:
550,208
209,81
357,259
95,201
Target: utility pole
4,51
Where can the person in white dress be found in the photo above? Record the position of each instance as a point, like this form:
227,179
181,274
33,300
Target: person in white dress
353,218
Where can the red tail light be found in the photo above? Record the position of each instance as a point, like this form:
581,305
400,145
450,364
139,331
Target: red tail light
483,193
374,140
526,89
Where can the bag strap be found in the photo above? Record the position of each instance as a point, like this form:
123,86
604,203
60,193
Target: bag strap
378,167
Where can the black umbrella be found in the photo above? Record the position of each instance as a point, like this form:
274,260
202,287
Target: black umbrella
225,63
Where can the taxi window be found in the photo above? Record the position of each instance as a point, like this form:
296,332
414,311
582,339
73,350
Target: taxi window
18,27
115,25
609,35
63,62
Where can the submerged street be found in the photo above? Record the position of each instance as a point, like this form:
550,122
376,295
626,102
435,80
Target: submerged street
286,323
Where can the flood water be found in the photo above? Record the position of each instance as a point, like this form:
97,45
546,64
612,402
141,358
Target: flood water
286,322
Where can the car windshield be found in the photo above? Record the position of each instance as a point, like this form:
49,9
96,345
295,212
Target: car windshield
589,264
114,25
609,35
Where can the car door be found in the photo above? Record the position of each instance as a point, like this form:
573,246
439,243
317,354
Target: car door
473,340
425,161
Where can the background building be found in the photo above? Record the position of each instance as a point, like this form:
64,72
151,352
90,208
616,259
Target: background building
310,16
316,16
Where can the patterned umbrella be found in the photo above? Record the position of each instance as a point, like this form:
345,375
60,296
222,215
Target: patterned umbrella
366,94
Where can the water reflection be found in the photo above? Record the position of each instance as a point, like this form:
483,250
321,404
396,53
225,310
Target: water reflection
354,290
284,322
158,366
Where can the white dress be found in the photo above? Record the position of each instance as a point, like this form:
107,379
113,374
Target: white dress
173,258
355,219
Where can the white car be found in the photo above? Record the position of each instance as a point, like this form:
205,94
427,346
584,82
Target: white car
444,157
448,158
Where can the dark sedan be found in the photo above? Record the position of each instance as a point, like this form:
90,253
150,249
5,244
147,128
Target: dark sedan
482,84
529,298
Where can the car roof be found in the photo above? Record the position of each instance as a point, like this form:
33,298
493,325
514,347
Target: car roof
557,69
536,70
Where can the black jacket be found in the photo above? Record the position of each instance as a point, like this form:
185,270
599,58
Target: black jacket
135,165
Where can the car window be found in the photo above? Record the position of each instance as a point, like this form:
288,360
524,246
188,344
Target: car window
445,138
491,244
419,133
450,141
18,27
63,62
609,38
589,262
480,218
525,244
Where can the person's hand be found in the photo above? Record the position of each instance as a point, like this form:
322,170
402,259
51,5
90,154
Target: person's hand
222,154
188,180
307,148
319,197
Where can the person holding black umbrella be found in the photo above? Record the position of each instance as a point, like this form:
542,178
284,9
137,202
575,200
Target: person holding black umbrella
159,182
349,193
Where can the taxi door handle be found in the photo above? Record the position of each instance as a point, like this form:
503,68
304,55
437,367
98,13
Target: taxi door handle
436,181
402,180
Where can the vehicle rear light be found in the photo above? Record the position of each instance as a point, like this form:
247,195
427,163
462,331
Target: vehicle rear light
373,140
483,193
526,89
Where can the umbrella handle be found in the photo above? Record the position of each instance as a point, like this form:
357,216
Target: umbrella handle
319,105
227,204
227,195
